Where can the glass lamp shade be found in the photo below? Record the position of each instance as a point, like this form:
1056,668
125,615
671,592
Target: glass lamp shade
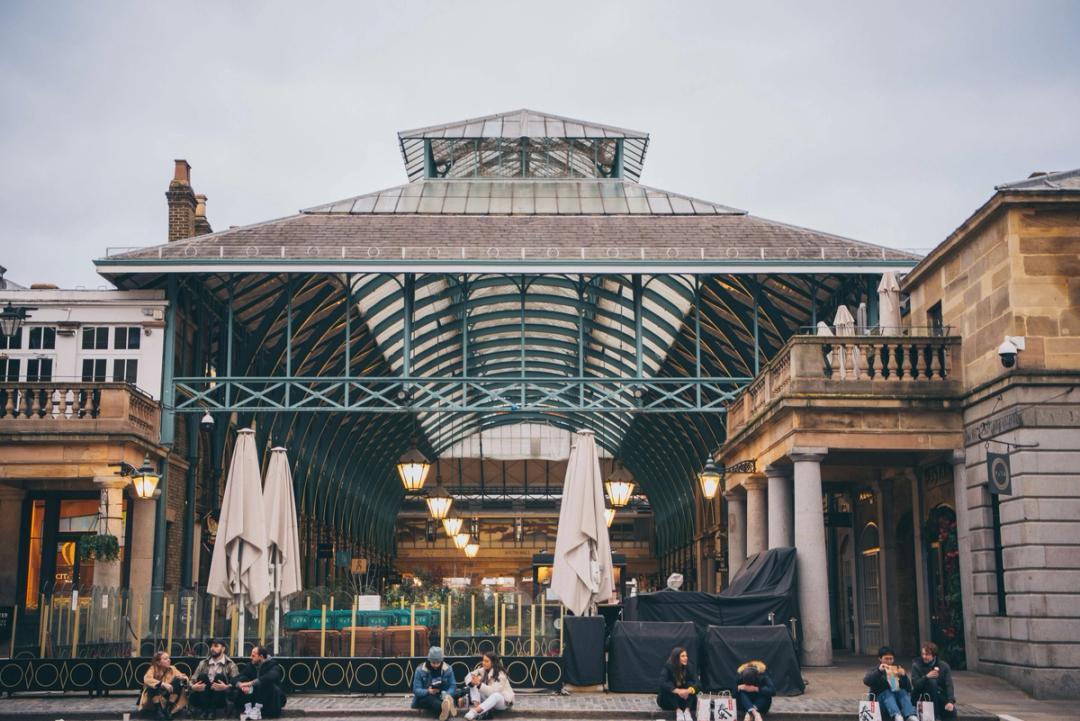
145,480
609,516
11,319
472,548
461,540
620,486
413,469
439,502
452,525
709,478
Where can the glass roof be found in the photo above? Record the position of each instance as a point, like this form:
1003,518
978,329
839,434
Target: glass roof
524,197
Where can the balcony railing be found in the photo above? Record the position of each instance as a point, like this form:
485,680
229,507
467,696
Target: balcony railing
917,365
58,405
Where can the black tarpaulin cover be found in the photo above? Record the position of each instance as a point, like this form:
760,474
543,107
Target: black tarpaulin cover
766,583
728,647
639,651
583,659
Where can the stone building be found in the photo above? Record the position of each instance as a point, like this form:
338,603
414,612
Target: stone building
877,468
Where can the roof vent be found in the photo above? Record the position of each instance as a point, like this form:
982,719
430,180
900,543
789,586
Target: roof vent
44,286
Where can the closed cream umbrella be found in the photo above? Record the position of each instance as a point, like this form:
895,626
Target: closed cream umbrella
238,568
282,534
889,304
844,323
582,575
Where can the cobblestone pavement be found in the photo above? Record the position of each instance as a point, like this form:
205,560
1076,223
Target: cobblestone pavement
830,693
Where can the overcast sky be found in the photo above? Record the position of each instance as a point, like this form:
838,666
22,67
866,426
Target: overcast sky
889,124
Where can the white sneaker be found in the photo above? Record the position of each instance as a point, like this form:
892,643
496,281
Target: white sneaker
470,716
898,717
256,712
246,713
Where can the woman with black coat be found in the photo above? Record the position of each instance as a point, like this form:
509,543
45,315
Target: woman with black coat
678,686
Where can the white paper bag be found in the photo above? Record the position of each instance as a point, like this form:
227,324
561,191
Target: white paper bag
869,709
926,708
716,708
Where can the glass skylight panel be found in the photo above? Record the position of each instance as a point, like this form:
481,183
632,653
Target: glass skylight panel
408,204
477,206
500,206
454,205
430,204
614,206
680,205
569,206
386,203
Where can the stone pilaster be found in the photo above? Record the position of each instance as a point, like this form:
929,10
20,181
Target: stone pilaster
11,500
757,522
736,532
781,534
110,522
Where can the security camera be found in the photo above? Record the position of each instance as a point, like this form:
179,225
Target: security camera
207,422
1008,349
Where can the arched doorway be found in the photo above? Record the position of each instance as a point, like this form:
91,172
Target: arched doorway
872,633
943,585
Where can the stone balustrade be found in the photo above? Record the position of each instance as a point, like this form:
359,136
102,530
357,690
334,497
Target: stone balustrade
851,365
95,407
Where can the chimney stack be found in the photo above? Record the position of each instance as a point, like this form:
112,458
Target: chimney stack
202,225
181,199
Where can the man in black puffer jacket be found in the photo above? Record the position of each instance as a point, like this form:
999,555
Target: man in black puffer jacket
933,677
259,686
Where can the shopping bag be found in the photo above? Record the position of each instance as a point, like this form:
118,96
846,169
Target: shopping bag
717,708
869,709
926,708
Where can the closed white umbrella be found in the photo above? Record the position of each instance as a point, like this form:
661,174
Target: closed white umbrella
238,568
282,534
844,323
889,304
582,573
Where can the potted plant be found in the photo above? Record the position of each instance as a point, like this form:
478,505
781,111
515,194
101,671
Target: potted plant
99,547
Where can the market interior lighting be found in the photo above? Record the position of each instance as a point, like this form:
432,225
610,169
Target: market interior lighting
472,547
413,469
609,516
452,525
620,486
439,501
709,478
461,540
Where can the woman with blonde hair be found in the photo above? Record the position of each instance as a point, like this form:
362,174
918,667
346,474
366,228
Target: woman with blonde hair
164,688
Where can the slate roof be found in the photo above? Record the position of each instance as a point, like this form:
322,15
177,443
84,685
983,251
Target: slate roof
1066,180
534,238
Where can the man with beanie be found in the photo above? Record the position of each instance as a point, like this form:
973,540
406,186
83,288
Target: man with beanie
433,686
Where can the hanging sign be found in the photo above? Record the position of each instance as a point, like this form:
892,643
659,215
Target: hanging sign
998,474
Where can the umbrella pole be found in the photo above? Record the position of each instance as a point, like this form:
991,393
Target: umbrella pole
277,601
240,625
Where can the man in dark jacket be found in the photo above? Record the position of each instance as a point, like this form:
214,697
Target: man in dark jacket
433,686
891,686
259,686
932,677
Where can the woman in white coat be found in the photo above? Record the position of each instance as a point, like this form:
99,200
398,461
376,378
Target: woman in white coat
489,688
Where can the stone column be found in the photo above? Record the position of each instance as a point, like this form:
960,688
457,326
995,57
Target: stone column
922,600
963,530
11,500
757,522
142,560
736,532
780,521
110,522
815,624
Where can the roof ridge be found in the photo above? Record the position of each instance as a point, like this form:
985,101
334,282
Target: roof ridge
1045,181
522,118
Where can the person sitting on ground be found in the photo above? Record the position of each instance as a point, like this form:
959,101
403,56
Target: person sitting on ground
489,688
259,687
678,686
754,691
213,679
433,686
891,686
931,676
164,688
